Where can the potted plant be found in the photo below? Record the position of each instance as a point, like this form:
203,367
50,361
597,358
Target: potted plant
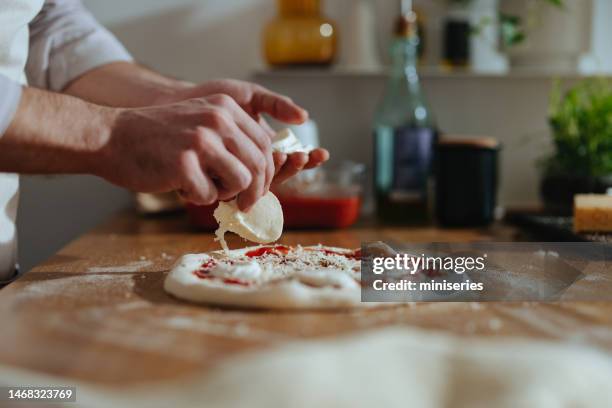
545,34
581,125
541,34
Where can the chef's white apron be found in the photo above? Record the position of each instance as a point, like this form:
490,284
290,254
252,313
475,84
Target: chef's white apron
15,15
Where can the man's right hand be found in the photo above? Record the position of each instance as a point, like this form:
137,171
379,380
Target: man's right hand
208,149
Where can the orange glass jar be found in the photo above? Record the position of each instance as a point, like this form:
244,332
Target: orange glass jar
300,35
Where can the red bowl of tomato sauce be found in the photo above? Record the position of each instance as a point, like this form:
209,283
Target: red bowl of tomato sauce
202,216
329,197
320,212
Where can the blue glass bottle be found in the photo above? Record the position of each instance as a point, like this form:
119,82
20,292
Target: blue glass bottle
404,135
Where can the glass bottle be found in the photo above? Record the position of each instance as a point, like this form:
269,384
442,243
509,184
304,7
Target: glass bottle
300,35
404,135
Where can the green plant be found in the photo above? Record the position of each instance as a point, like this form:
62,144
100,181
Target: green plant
513,30
581,123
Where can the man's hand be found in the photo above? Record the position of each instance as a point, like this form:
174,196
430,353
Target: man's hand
125,84
257,100
207,148
253,98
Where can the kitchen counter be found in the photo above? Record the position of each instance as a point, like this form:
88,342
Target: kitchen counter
96,311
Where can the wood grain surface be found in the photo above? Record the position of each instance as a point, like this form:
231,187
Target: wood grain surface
97,312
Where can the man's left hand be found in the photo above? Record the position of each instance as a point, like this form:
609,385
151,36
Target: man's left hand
257,100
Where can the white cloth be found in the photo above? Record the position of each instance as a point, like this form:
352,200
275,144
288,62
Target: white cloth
9,186
15,15
58,40
65,42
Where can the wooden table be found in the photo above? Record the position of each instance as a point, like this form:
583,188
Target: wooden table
96,312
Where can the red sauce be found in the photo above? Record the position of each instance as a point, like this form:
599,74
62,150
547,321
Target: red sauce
229,281
205,269
299,212
204,273
232,281
270,250
320,212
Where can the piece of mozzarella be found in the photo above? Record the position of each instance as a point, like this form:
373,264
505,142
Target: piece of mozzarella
285,141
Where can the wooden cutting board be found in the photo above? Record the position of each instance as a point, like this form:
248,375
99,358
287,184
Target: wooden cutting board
97,312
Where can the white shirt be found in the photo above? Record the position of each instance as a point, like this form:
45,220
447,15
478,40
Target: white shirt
50,43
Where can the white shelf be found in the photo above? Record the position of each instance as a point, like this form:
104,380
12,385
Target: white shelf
424,72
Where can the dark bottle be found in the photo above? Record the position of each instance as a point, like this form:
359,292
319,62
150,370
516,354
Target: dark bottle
457,33
404,136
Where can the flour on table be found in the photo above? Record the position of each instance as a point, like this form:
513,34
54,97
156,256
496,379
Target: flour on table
78,286
138,304
128,268
205,326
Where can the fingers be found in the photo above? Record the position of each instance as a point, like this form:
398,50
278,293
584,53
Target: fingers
196,186
279,160
294,164
229,174
316,158
261,138
278,106
217,123
297,162
246,123
266,126
252,158
236,148
252,130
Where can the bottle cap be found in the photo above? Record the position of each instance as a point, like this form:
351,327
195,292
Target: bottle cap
406,25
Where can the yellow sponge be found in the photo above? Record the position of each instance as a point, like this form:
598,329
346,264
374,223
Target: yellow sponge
593,213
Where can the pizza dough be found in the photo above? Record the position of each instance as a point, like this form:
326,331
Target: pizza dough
272,277
401,367
262,224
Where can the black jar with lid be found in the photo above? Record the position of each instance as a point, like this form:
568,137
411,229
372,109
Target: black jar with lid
466,174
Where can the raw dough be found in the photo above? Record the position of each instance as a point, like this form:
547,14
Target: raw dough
262,224
411,368
296,281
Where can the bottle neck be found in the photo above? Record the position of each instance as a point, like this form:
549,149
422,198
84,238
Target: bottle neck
404,61
298,8
404,103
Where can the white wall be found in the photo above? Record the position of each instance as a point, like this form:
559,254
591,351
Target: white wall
191,39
